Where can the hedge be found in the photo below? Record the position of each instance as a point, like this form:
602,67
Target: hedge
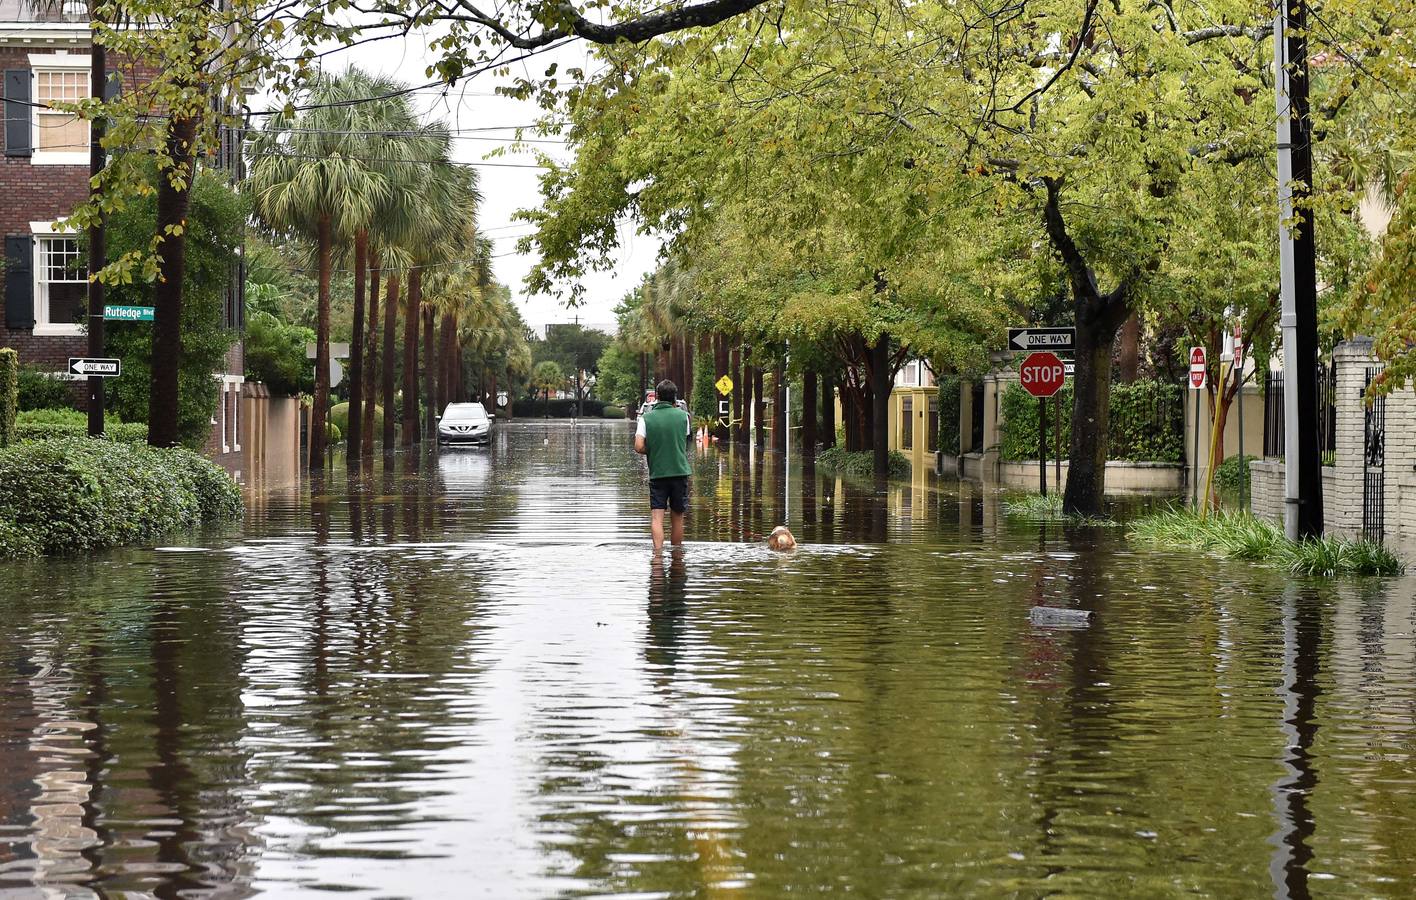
560,409
76,494
47,424
40,390
860,462
612,412
950,390
1147,422
9,394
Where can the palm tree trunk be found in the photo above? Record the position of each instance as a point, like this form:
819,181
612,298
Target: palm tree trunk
779,408
445,358
390,337
371,370
759,406
321,406
739,388
430,360
172,203
354,452
412,316
828,409
880,406
808,413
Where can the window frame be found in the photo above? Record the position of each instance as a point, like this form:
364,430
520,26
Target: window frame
41,233
53,63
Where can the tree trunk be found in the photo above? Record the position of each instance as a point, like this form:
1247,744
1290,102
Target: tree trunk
320,411
828,409
643,379
880,408
759,407
354,452
808,413
390,340
1129,357
371,369
412,318
779,408
172,202
1098,316
447,330
430,358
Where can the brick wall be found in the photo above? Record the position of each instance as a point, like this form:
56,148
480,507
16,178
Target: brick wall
31,193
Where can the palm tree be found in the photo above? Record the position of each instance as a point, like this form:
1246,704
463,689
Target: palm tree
547,376
307,179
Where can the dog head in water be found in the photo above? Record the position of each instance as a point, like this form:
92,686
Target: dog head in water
781,539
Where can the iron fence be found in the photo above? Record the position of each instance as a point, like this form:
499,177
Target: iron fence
1327,411
1373,462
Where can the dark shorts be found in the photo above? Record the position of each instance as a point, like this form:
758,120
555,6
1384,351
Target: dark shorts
669,493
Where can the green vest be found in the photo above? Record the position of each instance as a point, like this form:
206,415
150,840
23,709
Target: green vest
665,440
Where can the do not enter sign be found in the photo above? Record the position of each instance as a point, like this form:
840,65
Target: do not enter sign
1197,368
1042,374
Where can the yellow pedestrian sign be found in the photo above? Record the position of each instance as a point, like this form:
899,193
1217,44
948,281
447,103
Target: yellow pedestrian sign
724,385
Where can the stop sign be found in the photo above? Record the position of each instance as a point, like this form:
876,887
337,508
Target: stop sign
1042,374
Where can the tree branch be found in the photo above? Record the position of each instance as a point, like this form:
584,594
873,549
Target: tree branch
635,31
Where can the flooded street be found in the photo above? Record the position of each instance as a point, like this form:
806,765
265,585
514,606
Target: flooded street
465,676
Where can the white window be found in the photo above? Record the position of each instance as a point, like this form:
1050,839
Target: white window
60,282
60,138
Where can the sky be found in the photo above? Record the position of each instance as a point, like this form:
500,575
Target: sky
475,104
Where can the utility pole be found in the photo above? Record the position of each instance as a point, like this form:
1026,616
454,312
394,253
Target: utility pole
97,232
1303,486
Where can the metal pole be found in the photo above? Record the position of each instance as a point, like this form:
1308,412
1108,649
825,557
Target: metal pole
97,233
1243,466
1195,454
1057,443
787,437
1303,499
1042,445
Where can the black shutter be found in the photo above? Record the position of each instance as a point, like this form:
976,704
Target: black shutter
113,86
18,113
19,281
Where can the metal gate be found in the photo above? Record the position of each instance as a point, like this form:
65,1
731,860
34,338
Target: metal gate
1373,462
976,423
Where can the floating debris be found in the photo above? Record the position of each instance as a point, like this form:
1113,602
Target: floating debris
1055,617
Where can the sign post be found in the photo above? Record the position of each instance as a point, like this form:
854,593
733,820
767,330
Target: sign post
1239,368
1197,384
1042,375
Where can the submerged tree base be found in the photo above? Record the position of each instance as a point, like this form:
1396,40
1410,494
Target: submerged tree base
1239,535
1038,508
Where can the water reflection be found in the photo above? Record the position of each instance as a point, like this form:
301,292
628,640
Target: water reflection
464,671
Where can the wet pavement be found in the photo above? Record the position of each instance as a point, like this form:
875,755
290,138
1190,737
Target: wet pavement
465,675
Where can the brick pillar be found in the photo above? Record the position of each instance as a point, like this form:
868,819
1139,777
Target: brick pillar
1343,510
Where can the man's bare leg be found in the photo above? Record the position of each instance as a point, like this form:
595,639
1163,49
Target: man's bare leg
656,527
677,529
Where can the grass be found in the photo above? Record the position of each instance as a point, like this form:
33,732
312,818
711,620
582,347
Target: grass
1037,508
1239,535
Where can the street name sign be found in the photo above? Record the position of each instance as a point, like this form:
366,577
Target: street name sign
724,385
129,313
103,368
1239,346
1197,368
1042,374
1061,339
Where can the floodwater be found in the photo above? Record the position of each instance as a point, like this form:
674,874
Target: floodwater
465,676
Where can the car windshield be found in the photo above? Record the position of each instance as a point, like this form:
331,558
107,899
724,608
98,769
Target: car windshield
464,412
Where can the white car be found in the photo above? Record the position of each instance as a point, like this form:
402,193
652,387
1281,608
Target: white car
465,423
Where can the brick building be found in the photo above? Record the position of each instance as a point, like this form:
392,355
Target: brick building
44,162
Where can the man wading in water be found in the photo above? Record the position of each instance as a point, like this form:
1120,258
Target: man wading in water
662,436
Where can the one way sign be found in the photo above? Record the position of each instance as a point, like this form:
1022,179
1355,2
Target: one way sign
1030,339
103,368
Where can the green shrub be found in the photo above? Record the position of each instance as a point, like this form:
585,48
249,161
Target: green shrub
339,415
1233,473
1239,535
48,424
1147,422
612,412
950,395
275,354
333,433
40,390
77,494
860,462
9,394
